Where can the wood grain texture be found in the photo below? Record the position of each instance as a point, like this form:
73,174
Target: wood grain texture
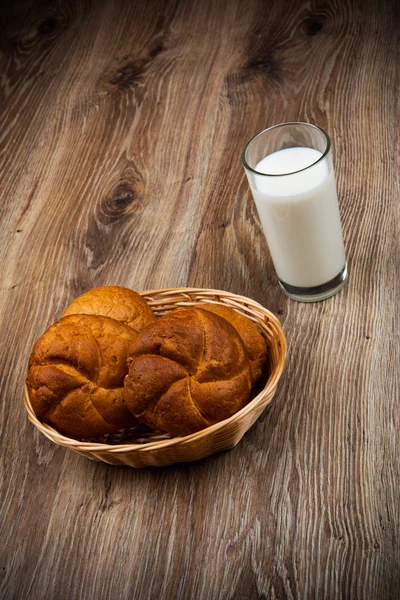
121,130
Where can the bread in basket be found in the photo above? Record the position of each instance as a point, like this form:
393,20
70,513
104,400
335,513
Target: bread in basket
141,447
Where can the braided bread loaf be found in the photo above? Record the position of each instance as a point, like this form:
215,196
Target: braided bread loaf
188,370
76,375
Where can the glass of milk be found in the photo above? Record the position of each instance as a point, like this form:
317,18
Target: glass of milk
290,172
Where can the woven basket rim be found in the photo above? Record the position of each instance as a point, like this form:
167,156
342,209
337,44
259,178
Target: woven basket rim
270,384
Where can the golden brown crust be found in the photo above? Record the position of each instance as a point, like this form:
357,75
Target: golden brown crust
254,342
119,303
76,375
188,370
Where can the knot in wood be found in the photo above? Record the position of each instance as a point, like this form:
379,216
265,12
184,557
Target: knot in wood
122,197
47,26
313,25
128,74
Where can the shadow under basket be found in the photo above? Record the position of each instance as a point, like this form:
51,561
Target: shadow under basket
142,447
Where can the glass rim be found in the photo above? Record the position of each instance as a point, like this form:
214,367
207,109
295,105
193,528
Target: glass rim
247,166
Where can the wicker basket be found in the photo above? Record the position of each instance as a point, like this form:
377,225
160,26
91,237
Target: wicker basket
142,447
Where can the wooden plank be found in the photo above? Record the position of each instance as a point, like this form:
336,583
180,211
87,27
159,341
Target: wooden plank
122,128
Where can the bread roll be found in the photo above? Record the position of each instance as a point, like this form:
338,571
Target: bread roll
76,376
254,342
119,303
188,370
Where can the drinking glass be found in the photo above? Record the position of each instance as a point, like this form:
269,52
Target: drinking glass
290,171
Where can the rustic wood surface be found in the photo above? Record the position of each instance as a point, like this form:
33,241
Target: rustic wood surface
121,130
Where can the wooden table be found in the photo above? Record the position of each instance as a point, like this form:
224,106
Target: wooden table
122,125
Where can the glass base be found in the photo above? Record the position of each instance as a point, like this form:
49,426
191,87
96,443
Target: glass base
317,293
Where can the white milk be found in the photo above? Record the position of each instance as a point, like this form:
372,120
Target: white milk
300,216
